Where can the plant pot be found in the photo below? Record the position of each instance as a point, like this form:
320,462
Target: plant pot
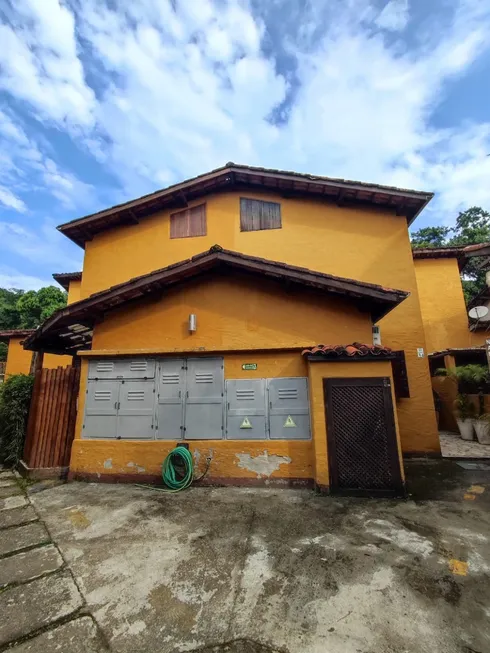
482,428
465,427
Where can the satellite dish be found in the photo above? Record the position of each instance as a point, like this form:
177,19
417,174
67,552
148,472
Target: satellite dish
478,312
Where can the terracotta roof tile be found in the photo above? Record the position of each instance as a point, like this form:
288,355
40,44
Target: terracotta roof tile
356,350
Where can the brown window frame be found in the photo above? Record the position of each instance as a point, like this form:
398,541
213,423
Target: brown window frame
185,228
260,222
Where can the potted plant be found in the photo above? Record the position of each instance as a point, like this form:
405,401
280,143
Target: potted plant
482,428
465,416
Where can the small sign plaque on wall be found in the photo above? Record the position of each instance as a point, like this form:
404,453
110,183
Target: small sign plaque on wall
420,352
249,366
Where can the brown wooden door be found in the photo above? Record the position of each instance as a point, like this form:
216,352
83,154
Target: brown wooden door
362,450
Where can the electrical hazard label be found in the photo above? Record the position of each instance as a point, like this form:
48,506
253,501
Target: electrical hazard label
246,424
289,423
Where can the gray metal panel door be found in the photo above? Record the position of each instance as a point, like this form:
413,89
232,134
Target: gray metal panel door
170,401
245,409
135,410
100,419
204,399
289,410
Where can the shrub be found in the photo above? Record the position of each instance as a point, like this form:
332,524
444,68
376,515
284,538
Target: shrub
15,399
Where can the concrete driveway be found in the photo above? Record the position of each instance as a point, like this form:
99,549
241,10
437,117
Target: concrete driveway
254,571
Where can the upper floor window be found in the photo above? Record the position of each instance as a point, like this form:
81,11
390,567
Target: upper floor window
257,214
189,222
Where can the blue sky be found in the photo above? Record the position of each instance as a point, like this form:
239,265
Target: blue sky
105,100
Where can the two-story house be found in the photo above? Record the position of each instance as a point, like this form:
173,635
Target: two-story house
222,313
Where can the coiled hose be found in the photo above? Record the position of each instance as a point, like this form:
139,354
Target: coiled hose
178,471
180,457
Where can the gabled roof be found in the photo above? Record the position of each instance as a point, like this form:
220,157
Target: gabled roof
458,253
357,350
6,334
64,278
233,176
70,328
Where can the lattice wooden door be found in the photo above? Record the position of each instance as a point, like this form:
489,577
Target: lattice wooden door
362,449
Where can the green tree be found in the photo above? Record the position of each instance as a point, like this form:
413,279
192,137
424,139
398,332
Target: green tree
3,351
472,227
430,237
9,313
36,306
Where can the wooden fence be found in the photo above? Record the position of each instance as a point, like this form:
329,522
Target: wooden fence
51,424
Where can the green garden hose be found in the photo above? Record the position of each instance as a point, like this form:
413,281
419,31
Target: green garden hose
178,457
180,461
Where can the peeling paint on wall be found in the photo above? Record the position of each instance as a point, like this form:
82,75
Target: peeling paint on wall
263,464
139,469
108,463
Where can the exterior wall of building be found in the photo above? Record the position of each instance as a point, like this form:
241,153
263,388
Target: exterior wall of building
18,358
232,314
365,244
232,461
442,304
240,319
325,370
74,291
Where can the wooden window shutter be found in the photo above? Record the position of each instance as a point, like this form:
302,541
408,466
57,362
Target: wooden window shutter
256,215
189,222
400,375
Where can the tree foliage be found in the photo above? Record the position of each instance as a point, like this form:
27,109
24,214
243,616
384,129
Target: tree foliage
472,227
26,310
15,399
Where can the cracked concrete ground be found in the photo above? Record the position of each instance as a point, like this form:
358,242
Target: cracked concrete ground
262,570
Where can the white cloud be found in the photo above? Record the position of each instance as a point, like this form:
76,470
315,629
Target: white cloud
40,64
41,246
395,15
12,278
7,198
180,91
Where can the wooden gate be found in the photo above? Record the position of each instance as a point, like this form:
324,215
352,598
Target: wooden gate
51,424
362,449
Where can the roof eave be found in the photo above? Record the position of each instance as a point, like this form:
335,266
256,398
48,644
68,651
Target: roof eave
79,230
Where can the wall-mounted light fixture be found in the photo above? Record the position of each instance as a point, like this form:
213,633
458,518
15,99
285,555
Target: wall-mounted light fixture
192,323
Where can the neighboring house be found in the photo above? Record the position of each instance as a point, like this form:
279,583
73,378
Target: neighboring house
201,310
19,360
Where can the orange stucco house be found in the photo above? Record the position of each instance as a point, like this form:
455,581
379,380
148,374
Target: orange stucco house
221,313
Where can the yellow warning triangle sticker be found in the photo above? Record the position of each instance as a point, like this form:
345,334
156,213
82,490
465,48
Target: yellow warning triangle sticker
289,423
246,424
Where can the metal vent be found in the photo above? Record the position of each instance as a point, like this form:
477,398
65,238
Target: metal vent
171,378
287,393
102,395
202,377
105,366
245,395
138,366
136,395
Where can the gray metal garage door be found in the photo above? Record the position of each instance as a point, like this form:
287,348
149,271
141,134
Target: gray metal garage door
170,399
246,409
204,399
289,411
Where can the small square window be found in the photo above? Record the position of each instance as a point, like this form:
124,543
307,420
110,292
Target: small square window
189,222
256,215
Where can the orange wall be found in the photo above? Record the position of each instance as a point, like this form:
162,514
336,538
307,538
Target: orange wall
231,314
74,290
360,243
18,358
293,459
442,304
324,370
